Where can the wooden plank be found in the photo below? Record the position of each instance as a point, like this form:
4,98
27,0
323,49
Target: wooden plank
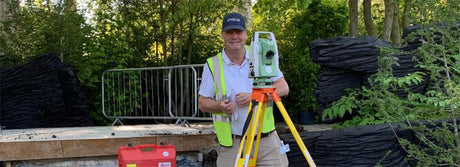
12,151
101,147
98,132
30,150
50,143
189,142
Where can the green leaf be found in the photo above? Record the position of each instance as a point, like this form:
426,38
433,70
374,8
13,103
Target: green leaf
342,111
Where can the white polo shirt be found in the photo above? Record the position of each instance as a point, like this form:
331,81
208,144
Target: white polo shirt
236,80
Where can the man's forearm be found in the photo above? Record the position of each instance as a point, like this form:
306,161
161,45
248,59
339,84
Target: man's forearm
207,104
282,88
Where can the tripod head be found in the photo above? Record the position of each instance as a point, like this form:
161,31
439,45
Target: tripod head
263,61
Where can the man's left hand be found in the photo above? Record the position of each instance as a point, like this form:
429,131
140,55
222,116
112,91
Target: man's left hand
242,99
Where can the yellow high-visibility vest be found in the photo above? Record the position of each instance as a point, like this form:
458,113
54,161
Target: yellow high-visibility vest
221,121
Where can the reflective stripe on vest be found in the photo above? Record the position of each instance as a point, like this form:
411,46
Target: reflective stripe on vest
221,121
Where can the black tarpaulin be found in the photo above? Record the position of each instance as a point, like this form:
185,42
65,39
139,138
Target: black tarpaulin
42,93
356,146
349,62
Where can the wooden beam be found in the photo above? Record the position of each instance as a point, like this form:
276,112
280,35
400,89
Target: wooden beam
13,151
189,142
100,147
30,150
51,143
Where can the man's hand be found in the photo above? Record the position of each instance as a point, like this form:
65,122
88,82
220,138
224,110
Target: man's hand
242,99
227,107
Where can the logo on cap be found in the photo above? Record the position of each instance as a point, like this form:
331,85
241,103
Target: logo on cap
233,19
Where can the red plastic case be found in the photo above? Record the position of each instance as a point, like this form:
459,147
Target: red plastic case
147,155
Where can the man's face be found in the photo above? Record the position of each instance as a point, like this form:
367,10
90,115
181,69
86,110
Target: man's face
234,39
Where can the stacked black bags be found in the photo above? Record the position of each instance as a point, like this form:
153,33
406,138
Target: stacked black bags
348,62
42,93
355,146
370,145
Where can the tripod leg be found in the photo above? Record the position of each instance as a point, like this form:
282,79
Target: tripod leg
250,138
240,147
294,132
259,131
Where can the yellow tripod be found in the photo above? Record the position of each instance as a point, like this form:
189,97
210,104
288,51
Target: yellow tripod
261,95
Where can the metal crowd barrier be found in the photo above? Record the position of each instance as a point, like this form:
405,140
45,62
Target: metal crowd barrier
153,93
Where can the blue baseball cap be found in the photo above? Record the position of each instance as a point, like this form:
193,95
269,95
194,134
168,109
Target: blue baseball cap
233,21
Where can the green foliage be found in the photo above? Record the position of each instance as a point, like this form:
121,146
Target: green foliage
124,92
439,56
122,34
295,24
378,104
131,34
101,55
163,33
37,29
322,19
302,95
371,105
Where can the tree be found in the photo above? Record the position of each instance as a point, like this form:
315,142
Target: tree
245,10
3,16
38,28
405,14
295,24
7,9
71,5
395,30
134,33
388,21
353,11
3,10
368,22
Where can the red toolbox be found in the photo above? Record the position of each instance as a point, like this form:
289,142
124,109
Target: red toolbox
147,155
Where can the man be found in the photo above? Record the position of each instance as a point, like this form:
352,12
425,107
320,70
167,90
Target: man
232,95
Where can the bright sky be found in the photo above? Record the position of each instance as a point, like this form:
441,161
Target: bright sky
82,6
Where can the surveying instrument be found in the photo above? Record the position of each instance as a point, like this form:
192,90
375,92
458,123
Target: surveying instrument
263,65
